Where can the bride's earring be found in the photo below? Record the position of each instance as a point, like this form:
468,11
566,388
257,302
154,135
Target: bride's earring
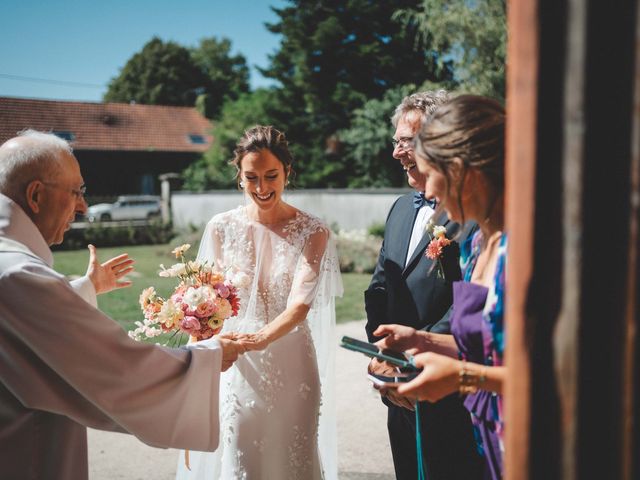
241,184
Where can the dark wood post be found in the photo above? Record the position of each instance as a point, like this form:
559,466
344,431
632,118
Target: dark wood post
573,202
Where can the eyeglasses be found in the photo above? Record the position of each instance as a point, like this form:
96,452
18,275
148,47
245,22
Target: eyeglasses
78,193
406,143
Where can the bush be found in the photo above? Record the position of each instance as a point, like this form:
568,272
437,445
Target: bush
191,235
377,230
357,251
104,235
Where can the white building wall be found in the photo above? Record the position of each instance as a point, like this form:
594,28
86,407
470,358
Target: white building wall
348,208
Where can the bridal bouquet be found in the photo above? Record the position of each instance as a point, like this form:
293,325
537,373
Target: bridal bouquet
198,306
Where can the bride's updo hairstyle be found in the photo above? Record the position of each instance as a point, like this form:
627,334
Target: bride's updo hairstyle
259,138
469,128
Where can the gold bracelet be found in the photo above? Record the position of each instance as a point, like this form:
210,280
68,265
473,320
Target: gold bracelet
470,381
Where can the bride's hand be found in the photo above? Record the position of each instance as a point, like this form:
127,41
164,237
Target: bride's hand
253,341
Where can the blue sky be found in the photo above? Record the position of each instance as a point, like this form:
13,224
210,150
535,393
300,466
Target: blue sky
88,41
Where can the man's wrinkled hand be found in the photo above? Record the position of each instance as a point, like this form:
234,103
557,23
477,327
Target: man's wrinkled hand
231,349
391,394
378,367
400,338
109,275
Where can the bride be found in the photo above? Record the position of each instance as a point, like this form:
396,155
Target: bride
272,425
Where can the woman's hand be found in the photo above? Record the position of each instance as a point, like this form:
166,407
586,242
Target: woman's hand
440,377
401,338
107,276
252,341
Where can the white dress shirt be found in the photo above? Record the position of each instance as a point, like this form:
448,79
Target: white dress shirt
423,217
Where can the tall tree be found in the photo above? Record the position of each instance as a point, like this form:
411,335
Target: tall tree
228,74
368,141
471,34
166,73
212,170
334,56
162,73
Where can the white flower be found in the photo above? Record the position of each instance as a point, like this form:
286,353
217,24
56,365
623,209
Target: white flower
194,265
170,314
147,296
173,271
439,231
193,297
206,268
179,251
145,330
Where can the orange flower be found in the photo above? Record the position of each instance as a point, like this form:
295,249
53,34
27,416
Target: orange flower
436,246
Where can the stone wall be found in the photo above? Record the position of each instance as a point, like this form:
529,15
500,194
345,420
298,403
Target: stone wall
349,209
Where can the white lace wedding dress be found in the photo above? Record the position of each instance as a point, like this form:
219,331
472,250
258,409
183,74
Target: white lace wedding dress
270,400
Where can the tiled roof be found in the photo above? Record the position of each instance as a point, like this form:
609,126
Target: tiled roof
108,126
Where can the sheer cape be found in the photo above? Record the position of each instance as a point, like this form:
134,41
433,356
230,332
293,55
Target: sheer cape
276,266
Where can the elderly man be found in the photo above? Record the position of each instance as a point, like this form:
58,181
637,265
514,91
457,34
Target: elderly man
406,288
65,365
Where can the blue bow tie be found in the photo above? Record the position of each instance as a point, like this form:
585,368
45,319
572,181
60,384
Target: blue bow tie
419,201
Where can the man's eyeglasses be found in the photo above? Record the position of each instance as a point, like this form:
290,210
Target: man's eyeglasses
76,192
406,143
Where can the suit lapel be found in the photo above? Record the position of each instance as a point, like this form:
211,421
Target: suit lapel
424,241
402,235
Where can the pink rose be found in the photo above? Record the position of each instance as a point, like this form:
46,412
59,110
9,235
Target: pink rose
190,324
222,290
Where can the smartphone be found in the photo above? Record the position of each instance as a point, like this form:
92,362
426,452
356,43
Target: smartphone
371,350
386,381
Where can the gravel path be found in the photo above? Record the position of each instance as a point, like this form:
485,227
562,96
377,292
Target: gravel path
363,445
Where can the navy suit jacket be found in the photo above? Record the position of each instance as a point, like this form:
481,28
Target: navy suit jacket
415,295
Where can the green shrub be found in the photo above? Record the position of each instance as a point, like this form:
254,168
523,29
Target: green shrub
104,235
377,230
357,251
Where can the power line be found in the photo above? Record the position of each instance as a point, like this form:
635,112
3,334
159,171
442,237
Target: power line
50,81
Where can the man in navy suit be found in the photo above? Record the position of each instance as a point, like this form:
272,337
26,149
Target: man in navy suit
407,289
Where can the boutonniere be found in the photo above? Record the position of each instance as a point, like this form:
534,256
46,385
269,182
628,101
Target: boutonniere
436,246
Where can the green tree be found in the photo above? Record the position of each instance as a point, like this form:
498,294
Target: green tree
162,73
228,74
334,56
165,73
368,142
471,34
212,170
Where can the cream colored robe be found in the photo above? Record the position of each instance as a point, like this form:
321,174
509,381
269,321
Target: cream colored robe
64,366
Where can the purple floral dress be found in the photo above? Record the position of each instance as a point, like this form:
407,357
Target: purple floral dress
478,328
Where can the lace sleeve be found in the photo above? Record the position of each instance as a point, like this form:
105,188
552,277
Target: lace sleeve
308,272
211,244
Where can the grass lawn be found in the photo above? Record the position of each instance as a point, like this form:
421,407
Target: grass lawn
122,304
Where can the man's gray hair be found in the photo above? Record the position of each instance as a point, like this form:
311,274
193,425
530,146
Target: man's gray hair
37,156
424,103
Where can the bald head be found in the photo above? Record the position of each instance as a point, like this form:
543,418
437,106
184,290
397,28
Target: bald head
32,155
